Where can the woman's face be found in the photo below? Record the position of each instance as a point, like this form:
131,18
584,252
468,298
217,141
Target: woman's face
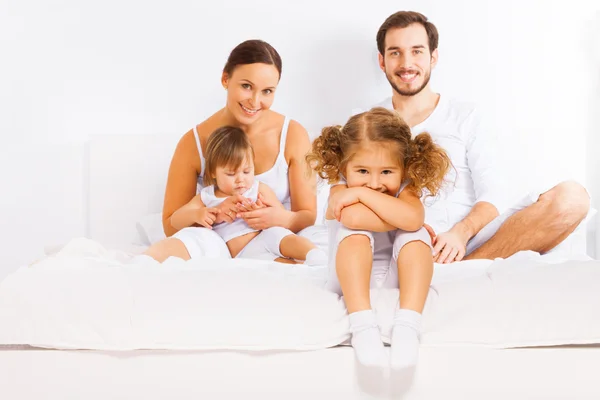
250,91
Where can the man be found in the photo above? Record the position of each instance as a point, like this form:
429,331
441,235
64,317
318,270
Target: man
407,44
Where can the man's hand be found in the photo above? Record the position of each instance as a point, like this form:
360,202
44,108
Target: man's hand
449,246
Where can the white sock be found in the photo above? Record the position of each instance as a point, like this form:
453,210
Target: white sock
405,339
366,339
316,257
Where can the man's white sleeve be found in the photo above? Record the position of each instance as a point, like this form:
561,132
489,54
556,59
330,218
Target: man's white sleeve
489,182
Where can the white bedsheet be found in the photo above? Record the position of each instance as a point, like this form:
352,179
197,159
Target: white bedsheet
88,297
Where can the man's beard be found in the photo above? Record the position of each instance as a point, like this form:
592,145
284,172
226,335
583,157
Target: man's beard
409,92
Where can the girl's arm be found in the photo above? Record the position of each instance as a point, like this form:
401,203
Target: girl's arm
358,215
405,212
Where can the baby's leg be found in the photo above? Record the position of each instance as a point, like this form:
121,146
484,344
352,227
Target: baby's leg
285,243
166,248
191,242
353,263
412,256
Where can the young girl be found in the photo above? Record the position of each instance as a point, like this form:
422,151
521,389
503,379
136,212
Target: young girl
230,174
375,219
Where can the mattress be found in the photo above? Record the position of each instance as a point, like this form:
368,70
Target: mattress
443,373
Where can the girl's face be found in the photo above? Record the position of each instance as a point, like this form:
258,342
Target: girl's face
375,165
233,181
250,91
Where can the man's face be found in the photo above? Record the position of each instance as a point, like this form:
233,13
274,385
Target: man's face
407,61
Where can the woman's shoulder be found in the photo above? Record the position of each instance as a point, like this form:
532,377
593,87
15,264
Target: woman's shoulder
297,138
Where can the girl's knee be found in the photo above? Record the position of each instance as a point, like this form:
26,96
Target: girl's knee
358,238
403,238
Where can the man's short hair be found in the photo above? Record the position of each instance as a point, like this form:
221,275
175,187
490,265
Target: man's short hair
402,19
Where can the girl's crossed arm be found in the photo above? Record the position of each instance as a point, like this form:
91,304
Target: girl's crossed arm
364,208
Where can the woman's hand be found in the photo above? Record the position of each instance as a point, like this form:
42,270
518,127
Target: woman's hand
343,198
262,215
229,208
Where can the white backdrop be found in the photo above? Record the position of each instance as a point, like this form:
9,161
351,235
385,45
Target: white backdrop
72,69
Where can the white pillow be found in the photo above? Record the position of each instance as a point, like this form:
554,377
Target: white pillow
78,299
150,229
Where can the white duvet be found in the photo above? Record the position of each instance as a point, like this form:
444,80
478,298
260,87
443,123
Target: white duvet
86,297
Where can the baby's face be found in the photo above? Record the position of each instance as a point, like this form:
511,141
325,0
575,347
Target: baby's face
376,166
233,181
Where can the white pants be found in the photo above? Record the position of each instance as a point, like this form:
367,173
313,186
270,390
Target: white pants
265,246
385,247
202,242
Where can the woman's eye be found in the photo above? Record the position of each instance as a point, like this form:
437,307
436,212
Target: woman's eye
267,91
246,85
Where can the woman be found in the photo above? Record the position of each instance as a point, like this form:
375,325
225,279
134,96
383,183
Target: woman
250,77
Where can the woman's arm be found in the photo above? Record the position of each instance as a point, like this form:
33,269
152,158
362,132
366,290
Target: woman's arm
269,196
180,208
303,186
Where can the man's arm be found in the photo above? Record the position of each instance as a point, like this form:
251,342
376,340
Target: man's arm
489,185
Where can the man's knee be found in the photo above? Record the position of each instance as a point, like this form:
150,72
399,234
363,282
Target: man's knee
568,201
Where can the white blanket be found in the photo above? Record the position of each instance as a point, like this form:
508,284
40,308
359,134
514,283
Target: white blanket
87,297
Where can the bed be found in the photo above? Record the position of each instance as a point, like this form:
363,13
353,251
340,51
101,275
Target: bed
121,213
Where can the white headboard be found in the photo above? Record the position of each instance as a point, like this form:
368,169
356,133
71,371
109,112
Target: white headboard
127,177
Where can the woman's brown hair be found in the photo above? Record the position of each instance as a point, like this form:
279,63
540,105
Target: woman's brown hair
251,52
424,164
226,146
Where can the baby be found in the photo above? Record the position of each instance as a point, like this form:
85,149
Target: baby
230,172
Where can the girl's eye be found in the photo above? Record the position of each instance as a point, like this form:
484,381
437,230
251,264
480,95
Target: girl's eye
386,172
362,171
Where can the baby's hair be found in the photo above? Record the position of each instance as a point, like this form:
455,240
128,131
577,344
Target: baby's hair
424,164
226,146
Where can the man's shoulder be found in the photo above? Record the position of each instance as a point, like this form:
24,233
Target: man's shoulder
459,107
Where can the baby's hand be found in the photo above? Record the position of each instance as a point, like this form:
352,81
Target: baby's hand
207,217
228,208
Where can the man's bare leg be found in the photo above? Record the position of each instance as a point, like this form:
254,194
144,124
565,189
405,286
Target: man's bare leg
541,226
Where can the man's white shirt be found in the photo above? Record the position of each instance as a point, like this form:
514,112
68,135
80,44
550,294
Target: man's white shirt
475,175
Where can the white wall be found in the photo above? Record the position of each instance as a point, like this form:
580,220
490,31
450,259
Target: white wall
71,69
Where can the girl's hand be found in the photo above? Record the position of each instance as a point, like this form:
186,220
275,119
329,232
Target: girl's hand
264,215
229,208
207,217
341,199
